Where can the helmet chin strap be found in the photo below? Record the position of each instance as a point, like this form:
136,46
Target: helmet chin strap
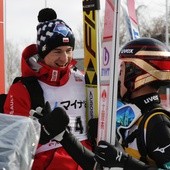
127,97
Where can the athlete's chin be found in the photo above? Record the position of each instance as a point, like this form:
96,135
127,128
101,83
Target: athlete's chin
61,67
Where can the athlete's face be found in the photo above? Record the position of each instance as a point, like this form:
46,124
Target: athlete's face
59,57
123,89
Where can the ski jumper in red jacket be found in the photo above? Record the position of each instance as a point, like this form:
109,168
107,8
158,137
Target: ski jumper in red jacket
50,61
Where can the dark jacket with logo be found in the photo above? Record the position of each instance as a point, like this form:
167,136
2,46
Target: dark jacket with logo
156,130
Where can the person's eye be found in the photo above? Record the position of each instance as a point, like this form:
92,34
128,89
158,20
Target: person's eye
57,52
69,51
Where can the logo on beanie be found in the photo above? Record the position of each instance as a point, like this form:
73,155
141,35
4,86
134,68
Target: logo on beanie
61,29
65,40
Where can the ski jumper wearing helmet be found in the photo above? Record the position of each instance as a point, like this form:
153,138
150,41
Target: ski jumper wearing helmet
62,87
146,62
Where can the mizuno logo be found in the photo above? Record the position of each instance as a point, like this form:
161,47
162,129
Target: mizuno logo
162,150
119,156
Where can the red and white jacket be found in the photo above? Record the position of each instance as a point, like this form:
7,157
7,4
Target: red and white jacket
68,92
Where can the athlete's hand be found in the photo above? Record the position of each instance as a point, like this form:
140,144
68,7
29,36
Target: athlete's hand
108,155
53,123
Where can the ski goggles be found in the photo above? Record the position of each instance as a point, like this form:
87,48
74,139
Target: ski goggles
127,115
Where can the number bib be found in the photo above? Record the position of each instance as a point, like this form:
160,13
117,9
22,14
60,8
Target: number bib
71,97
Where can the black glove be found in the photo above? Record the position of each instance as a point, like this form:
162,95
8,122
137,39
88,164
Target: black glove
108,155
92,131
52,123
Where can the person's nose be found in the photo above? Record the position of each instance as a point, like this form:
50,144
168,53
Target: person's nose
64,56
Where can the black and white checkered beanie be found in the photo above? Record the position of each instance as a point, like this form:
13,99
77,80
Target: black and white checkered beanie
52,32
